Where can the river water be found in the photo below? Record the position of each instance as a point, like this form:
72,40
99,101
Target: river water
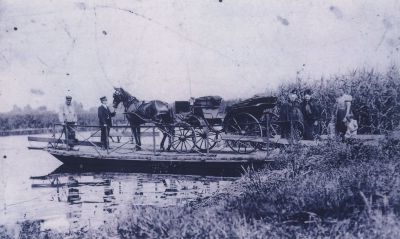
66,201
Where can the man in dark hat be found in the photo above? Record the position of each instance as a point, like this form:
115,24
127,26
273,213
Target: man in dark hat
68,118
105,121
311,112
291,117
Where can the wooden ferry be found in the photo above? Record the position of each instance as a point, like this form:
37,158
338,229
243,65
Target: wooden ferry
87,155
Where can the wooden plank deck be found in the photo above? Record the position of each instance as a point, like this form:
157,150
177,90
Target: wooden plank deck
128,154
146,161
60,141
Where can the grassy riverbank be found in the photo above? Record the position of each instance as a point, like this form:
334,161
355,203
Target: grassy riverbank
336,190
333,191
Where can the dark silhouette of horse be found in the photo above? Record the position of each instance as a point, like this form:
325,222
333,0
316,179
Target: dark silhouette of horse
140,112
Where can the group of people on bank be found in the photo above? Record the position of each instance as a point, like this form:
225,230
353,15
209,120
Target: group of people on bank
68,118
308,113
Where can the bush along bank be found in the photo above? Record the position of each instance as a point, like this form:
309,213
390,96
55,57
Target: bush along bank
337,190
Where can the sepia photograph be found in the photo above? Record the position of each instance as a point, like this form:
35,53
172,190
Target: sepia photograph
199,119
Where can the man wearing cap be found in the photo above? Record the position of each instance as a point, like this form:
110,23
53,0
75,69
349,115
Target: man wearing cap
68,118
290,116
105,115
311,112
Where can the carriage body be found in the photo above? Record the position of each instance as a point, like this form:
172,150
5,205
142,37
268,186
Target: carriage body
205,115
243,126
248,124
210,109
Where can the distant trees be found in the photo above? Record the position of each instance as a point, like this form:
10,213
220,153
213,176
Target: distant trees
27,118
41,117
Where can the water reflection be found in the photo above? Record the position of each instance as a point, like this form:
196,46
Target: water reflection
69,199
142,189
90,197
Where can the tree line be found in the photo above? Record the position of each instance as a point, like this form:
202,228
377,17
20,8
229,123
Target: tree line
35,118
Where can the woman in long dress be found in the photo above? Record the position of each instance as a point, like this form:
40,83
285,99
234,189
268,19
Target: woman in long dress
343,110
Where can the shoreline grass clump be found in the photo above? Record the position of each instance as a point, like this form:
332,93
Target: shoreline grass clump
355,195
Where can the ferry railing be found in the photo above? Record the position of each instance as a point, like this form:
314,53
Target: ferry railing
69,127
67,142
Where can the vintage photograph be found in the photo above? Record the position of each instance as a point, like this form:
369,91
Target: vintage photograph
199,119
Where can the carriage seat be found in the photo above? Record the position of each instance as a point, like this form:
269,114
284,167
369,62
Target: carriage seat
209,102
181,107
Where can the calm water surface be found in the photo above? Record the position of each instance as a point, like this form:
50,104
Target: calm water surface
64,201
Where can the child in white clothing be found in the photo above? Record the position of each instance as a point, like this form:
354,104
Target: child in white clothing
352,127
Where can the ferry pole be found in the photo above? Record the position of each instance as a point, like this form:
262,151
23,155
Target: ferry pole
154,140
66,136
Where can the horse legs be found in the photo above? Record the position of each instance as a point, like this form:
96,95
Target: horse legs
166,131
170,133
136,134
162,142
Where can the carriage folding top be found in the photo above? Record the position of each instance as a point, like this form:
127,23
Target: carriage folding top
255,105
265,102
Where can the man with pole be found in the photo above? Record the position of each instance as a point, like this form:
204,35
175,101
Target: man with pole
68,118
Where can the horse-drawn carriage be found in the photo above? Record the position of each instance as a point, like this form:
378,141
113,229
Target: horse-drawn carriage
198,125
242,125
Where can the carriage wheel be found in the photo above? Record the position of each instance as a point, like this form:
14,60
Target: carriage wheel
183,138
273,130
201,139
243,124
203,133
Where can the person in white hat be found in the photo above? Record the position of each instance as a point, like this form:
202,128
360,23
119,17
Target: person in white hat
68,118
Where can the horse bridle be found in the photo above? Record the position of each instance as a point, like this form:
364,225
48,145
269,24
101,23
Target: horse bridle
123,97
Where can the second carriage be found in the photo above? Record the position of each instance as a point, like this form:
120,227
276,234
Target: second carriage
245,126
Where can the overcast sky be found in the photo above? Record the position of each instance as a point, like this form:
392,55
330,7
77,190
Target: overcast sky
174,49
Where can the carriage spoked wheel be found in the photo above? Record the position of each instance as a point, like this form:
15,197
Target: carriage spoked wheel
243,128
271,129
183,138
203,133
201,139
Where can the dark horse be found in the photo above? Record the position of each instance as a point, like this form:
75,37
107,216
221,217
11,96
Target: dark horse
139,112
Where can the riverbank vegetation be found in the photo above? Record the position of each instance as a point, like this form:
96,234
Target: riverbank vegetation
335,190
376,97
